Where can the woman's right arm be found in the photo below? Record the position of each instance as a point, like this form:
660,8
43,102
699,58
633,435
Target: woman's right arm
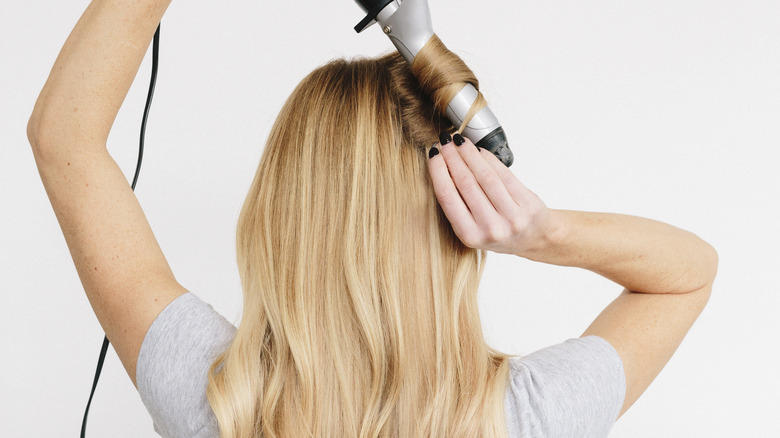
642,255
667,273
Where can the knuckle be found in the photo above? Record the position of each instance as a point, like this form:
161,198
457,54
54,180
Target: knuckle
518,223
497,234
471,239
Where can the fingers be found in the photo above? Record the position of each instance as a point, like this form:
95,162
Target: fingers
468,187
479,182
493,176
516,189
448,196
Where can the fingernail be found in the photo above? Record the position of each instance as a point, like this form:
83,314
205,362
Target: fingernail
458,139
444,138
432,153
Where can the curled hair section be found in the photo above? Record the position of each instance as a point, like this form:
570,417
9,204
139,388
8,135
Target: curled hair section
442,74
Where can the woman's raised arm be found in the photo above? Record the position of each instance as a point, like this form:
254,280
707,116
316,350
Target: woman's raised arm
120,264
667,273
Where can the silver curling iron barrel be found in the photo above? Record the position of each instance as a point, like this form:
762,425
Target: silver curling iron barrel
409,26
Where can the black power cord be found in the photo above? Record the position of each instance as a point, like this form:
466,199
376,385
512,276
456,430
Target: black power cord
104,348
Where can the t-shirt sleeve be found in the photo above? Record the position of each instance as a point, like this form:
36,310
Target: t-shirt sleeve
173,365
572,389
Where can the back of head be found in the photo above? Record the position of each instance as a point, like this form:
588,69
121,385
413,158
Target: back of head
360,303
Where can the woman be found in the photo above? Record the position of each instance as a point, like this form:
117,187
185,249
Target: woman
360,249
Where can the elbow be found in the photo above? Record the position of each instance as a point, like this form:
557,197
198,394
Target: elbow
708,268
51,134
702,270
711,262
35,123
32,129
38,137
35,131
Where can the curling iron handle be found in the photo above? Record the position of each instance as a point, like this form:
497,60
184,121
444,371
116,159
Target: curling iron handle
409,26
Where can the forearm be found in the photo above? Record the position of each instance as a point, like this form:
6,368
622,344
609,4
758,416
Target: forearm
94,71
642,255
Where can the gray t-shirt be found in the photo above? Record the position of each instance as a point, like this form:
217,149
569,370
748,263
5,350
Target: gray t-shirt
572,389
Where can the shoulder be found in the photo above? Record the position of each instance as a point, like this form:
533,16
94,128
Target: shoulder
574,388
174,361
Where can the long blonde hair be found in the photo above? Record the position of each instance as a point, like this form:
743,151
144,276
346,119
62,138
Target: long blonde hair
360,313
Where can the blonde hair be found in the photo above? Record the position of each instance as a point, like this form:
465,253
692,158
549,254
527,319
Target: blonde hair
360,313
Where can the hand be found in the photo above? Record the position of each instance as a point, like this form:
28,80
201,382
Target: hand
488,207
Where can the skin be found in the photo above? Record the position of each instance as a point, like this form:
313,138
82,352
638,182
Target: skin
667,273
486,204
128,280
121,266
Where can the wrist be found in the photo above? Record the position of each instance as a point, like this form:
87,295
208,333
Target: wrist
554,232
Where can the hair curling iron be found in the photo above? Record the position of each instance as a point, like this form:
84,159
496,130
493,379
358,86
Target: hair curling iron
409,26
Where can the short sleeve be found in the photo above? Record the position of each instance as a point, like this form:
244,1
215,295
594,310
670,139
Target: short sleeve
572,389
173,364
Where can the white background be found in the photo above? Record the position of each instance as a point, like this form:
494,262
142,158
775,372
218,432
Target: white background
667,110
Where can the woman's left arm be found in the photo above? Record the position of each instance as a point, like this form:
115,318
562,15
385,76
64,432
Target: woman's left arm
120,264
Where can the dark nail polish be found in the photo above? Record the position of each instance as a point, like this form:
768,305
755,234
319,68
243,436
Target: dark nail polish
458,139
433,152
444,138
